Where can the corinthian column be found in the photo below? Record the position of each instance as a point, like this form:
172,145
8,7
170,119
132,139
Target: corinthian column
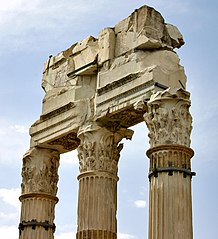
98,153
39,188
170,206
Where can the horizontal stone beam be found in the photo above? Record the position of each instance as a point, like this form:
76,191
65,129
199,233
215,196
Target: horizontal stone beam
108,79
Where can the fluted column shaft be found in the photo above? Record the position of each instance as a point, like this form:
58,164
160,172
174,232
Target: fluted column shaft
39,188
170,202
98,154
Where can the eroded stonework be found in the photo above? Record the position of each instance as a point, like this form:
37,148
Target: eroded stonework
168,118
40,171
94,91
102,79
99,149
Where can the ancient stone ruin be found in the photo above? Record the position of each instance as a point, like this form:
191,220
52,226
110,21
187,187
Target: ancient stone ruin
95,91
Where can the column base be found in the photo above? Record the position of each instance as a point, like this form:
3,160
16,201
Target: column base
96,234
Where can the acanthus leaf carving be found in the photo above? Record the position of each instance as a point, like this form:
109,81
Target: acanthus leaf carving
40,171
99,150
168,118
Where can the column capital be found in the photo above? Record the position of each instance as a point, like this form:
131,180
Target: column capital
168,118
99,149
39,172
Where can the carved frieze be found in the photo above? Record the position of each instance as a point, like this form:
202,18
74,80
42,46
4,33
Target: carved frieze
168,118
40,171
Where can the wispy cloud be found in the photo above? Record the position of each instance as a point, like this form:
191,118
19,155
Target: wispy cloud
125,236
10,212
10,196
38,21
66,235
140,203
14,142
8,218
9,232
20,128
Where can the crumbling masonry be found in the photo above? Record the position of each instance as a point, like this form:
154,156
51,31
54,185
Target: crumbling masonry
95,91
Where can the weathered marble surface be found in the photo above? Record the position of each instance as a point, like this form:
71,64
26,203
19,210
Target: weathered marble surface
103,79
168,118
39,189
94,91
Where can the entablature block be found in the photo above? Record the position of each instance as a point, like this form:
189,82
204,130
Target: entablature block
108,79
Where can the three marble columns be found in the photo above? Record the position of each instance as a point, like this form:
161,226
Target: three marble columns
170,207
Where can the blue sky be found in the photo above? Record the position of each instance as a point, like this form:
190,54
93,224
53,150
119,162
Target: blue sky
30,31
